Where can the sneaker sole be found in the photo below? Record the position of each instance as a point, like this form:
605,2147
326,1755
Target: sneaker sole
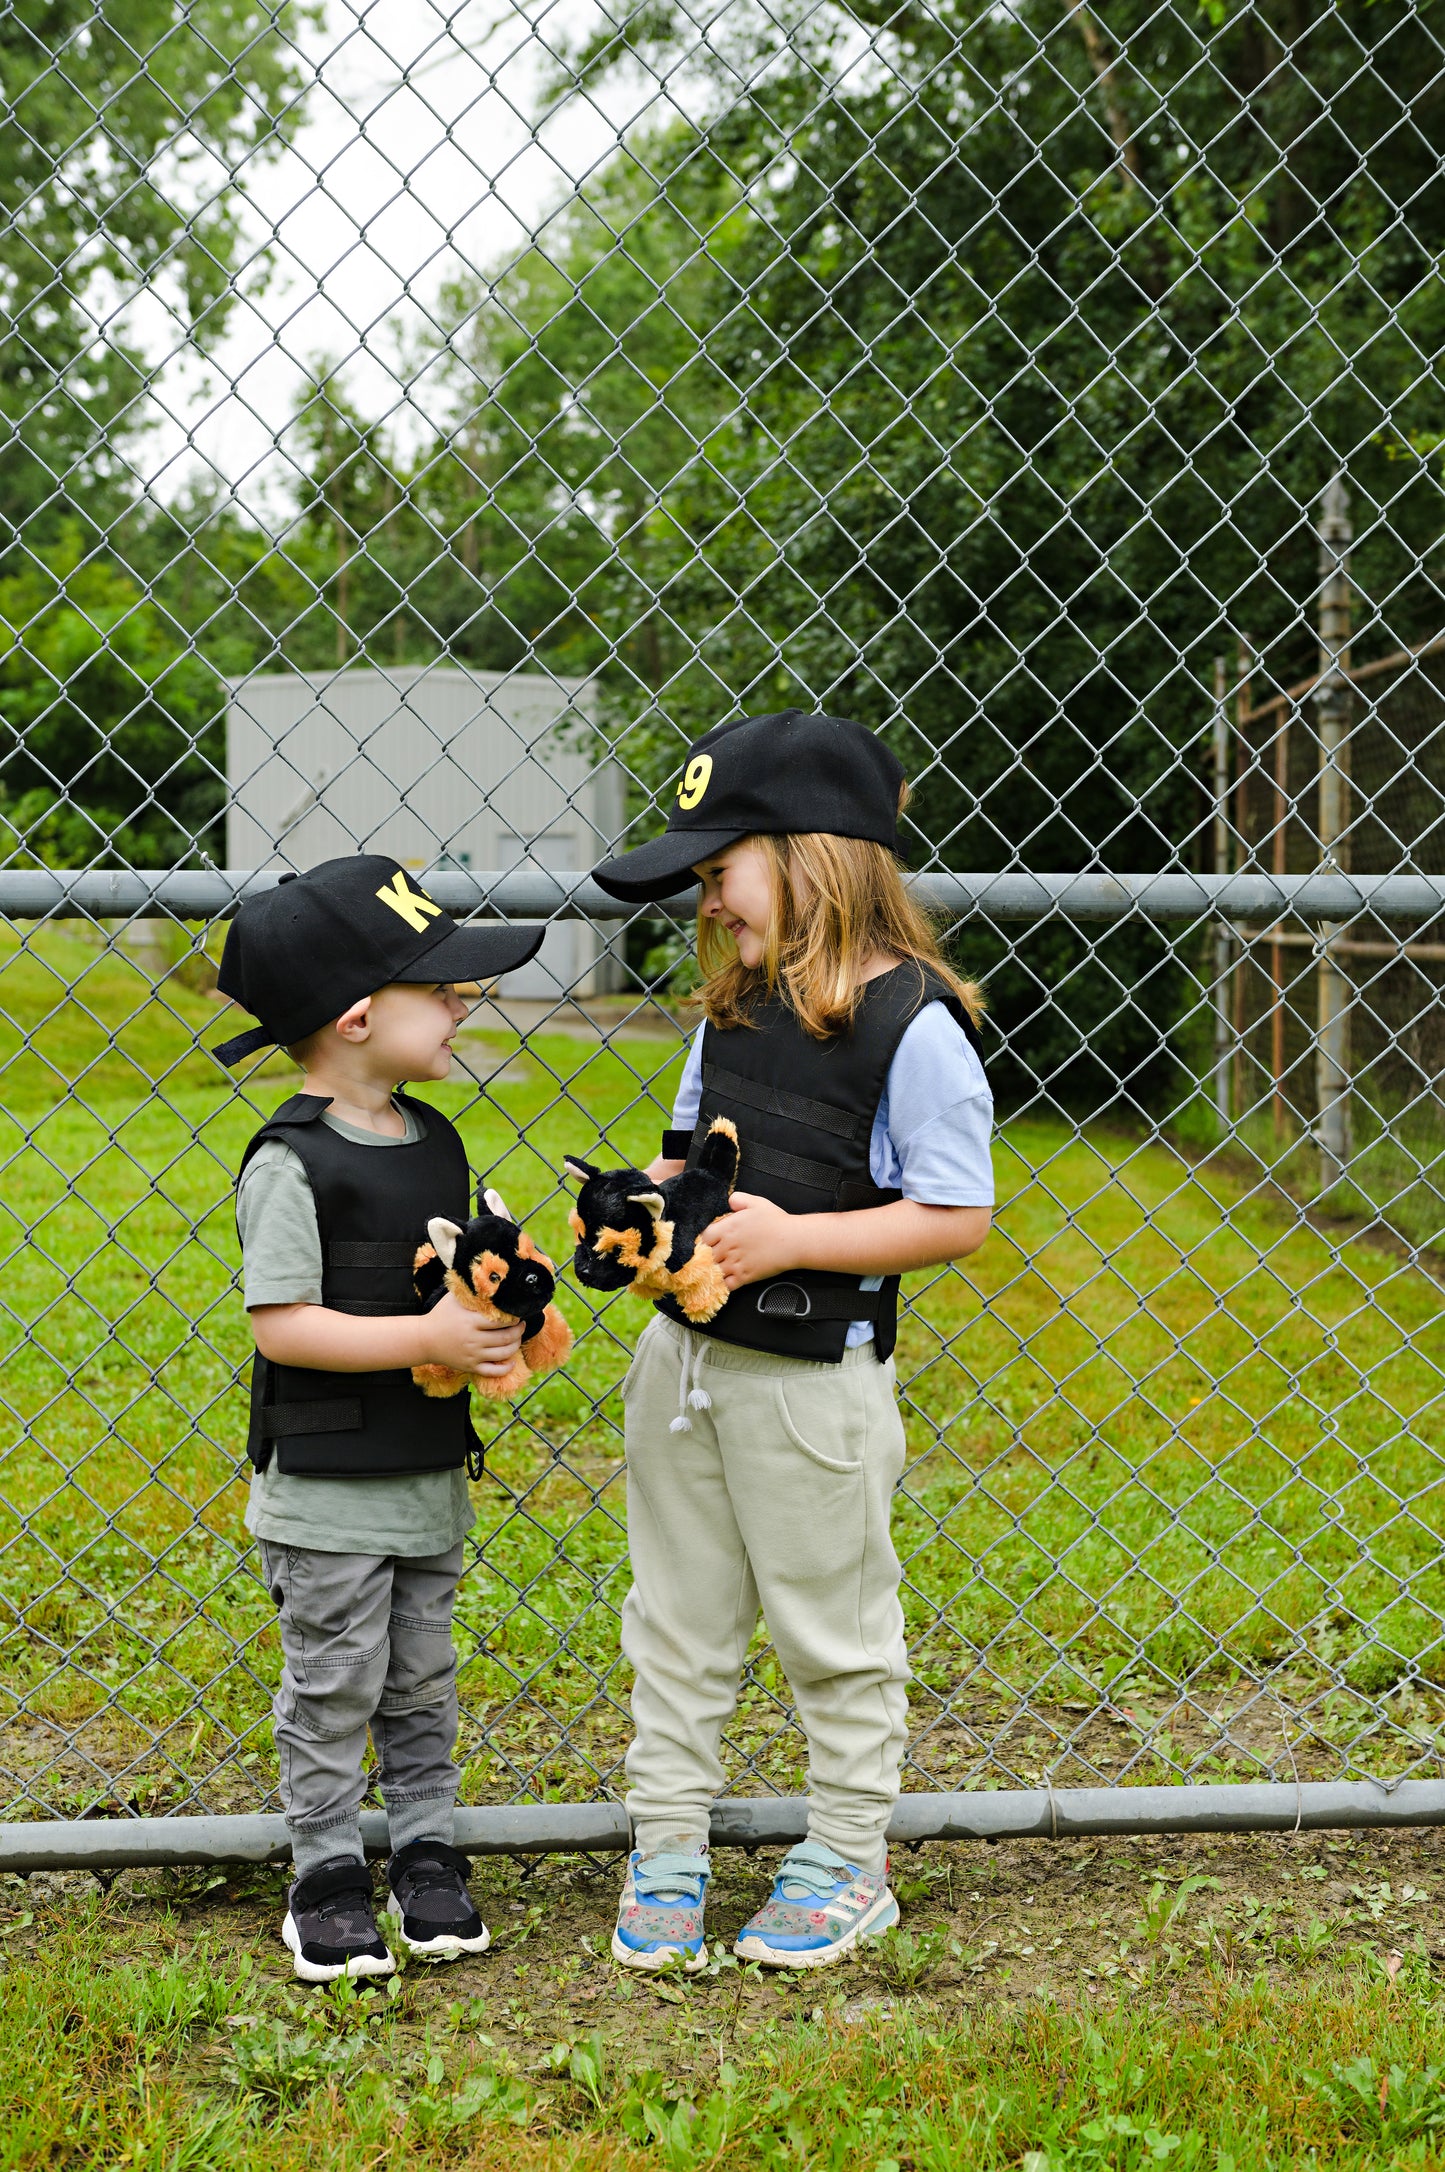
880,1919
445,1947
360,1964
658,1957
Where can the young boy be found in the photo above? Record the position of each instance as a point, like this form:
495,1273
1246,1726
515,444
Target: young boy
359,1492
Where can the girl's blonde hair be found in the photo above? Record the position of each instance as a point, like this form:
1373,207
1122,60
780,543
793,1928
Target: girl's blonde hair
837,902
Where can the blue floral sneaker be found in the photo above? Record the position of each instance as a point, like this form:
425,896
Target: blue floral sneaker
819,1910
659,1918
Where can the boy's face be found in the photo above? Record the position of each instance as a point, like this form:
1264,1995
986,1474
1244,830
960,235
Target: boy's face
405,1030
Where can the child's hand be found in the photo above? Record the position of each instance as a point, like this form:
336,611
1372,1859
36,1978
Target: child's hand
753,1240
458,1338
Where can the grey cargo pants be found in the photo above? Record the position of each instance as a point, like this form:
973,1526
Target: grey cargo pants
366,1641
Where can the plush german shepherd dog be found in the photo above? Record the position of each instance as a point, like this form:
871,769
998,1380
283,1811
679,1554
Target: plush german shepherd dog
492,1267
632,1231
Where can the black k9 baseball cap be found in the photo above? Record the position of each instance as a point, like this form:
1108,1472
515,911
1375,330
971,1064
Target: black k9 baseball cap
301,954
784,775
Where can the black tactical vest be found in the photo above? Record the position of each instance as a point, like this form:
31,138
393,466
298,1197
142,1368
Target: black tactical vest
372,1208
804,1111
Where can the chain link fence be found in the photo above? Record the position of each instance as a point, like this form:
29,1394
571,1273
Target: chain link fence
417,426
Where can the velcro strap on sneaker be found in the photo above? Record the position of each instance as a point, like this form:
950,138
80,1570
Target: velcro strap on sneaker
671,1877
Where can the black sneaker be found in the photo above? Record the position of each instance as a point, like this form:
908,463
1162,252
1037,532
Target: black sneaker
430,1900
330,1924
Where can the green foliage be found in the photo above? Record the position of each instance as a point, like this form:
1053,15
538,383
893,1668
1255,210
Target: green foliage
280,2065
115,111
683,2129
805,406
490,2096
1117,2142
1165,1908
909,1959
899,391
110,736
137,2052
118,114
1390,2103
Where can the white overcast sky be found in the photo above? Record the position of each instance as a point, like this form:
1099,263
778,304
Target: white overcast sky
393,187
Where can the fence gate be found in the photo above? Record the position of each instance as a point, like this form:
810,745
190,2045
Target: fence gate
417,426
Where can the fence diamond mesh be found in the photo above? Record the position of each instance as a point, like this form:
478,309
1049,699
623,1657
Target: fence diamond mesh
418,425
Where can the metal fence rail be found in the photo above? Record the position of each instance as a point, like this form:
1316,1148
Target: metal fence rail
538,893
416,429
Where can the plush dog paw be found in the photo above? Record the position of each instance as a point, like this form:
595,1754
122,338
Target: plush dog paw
699,1286
552,1343
498,1387
438,1379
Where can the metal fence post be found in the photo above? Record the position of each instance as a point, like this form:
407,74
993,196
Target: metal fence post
1332,705
1223,934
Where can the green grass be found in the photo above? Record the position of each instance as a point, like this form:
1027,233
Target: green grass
1048,2010
1397,1168
1175,1456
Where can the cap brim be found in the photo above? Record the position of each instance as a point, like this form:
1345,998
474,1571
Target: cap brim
477,952
661,868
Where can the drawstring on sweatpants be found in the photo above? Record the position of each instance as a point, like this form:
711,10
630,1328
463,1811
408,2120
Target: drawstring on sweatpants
693,1396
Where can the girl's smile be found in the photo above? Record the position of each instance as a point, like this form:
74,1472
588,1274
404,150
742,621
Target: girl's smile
737,892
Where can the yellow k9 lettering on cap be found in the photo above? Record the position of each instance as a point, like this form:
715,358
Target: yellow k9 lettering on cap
790,771
694,780
302,951
414,906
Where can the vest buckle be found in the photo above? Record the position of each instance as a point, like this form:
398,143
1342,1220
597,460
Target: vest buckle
785,1301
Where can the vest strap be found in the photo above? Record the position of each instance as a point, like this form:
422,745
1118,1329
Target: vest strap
775,1101
358,1252
283,1421
796,1168
853,1194
850,1195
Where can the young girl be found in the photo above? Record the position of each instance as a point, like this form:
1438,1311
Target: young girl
763,1451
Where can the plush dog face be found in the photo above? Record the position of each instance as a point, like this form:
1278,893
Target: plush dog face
497,1261
619,1225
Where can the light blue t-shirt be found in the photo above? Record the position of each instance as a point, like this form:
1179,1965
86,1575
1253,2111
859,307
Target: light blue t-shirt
931,1134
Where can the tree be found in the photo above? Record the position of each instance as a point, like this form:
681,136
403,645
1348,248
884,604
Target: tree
1040,346
118,114
110,735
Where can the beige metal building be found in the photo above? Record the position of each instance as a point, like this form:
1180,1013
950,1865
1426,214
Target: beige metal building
439,766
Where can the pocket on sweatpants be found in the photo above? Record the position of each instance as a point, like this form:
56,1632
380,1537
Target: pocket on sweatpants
828,1426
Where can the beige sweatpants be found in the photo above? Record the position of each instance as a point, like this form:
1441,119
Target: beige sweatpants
778,1497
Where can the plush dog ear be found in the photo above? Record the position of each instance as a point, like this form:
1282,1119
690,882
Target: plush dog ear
654,1202
444,1235
581,1170
496,1204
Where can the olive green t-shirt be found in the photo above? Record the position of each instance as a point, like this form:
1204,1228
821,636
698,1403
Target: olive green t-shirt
281,1264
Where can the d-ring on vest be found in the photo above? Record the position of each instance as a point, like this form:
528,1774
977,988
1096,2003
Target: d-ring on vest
805,1146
